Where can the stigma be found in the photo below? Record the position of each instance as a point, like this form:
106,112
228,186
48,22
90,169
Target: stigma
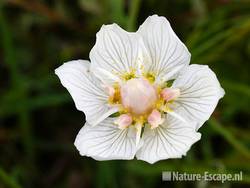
138,96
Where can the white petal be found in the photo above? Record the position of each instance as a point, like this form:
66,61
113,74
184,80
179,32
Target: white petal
172,139
116,51
105,76
200,92
167,54
172,113
106,141
86,90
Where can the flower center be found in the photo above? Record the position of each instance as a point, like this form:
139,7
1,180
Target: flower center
138,96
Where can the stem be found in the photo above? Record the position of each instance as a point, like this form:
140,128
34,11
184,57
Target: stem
241,88
7,46
229,137
133,14
7,180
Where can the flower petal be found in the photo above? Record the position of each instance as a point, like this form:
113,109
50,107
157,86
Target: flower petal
172,139
167,54
86,90
200,92
115,52
106,141
106,77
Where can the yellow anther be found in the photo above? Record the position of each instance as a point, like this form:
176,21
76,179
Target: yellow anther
129,75
150,77
116,97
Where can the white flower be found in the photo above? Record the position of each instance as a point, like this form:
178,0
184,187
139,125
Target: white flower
130,78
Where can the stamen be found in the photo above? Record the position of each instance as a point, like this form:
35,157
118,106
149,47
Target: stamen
123,121
110,91
150,77
114,94
169,94
138,127
154,119
129,75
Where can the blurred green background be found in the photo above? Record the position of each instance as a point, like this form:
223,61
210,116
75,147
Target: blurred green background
38,119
